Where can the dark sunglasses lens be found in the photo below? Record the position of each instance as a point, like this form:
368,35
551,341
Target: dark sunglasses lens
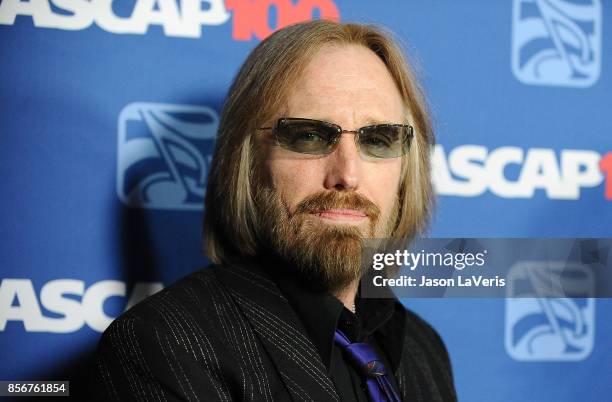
385,141
306,137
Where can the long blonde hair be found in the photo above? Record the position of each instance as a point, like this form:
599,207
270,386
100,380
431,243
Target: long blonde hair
259,91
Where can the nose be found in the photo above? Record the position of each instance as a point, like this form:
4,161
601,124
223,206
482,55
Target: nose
344,165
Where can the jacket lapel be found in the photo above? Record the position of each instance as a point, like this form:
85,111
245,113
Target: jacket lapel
280,331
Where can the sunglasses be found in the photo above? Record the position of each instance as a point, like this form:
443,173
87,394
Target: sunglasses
315,137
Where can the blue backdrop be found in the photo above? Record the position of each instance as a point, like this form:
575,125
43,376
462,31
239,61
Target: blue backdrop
108,117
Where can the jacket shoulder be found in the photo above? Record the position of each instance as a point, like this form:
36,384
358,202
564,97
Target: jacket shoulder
425,371
168,344
420,331
188,294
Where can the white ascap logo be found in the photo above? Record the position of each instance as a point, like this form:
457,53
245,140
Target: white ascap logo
180,18
163,155
183,18
556,42
68,298
471,170
541,328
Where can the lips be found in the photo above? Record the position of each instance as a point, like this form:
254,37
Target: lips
345,214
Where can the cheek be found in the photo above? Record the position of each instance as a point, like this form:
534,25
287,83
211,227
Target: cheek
383,181
294,179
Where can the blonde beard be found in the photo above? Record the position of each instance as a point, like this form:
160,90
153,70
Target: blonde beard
327,256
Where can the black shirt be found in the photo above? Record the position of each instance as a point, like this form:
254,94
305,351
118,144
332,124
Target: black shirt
378,322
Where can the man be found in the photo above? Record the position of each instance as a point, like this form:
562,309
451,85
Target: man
324,141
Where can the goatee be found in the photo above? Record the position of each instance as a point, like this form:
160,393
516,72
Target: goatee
327,256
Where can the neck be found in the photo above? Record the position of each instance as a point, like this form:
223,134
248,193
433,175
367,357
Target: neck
347,295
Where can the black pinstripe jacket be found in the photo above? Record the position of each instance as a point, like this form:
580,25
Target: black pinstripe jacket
227,333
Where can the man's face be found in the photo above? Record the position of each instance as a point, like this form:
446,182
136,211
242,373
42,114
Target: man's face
343,195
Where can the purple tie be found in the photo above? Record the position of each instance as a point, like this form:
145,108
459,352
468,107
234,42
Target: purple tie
368,364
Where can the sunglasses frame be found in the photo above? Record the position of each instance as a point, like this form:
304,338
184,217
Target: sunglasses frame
409,135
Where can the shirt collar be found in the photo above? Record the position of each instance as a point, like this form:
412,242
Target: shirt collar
321,313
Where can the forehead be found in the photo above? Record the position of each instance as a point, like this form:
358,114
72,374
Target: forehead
349,83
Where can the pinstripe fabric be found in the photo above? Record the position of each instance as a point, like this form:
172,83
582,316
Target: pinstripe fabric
227,333
424,374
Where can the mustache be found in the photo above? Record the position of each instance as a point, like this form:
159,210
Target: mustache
325,200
